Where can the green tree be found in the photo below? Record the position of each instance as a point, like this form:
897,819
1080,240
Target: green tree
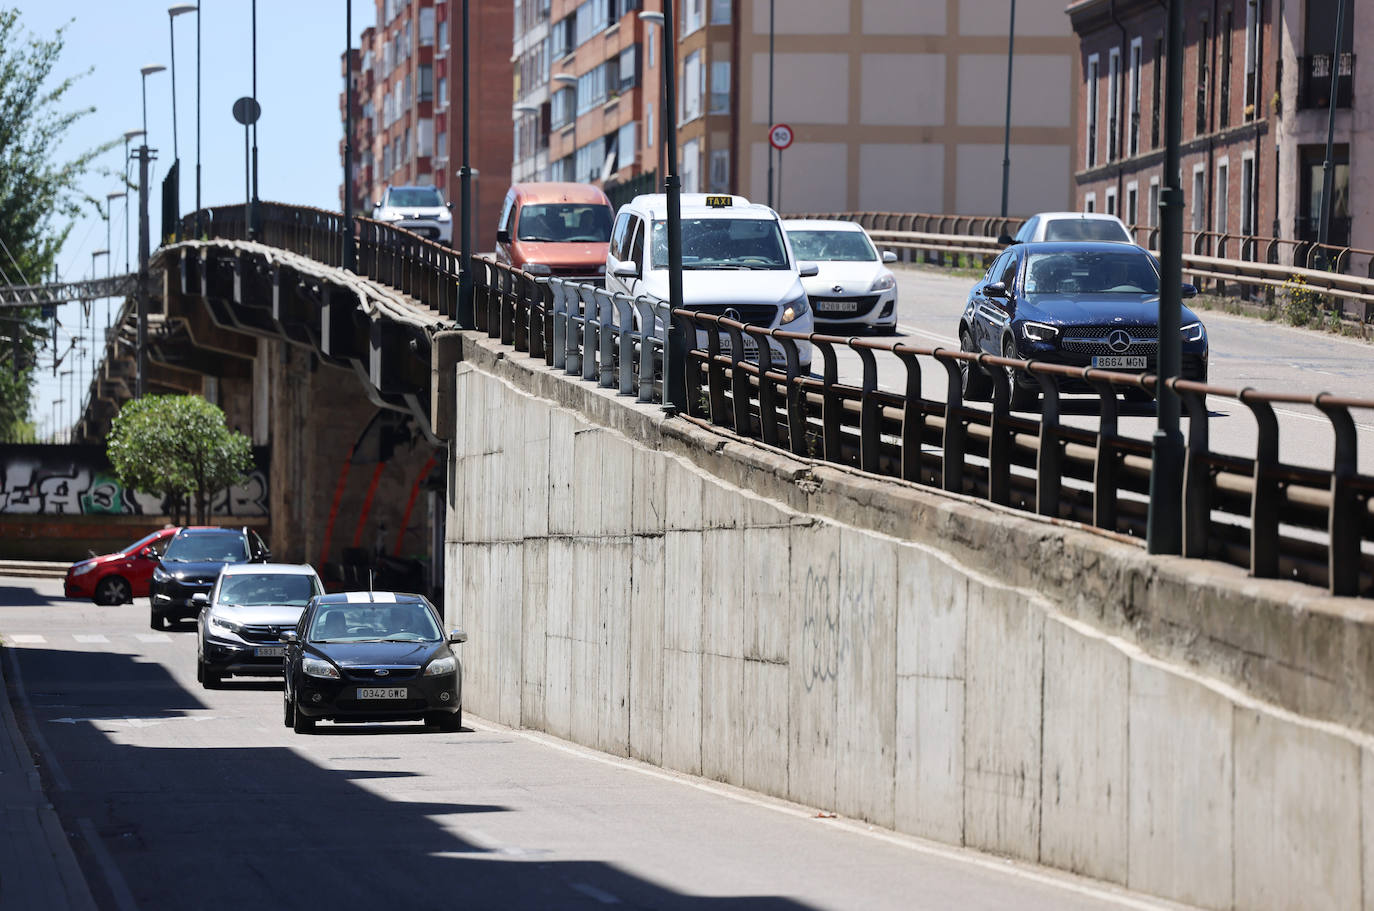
38,195
177,446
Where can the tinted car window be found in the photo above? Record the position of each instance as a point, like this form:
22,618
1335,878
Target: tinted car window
1091,273
565,223
207,548
1027,230
353,622
1008,274
286,589
420,197
724,243
832,246
150,540
1084,229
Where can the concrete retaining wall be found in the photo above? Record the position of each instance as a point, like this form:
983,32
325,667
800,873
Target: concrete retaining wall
626,586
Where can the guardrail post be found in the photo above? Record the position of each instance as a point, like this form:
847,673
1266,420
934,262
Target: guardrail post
605,326
1343,522
956,432
1049,474
999,435
768,395
1264,503
591,322
832,405
715,374
625,341
739,384
648,333
1105,459
539,347
691,366
913,415
870,412
796,400
510,291
1197,474
560,324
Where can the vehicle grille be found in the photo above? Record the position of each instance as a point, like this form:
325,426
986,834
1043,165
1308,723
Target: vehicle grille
263,632
750,314
369,674
1093,340
830,306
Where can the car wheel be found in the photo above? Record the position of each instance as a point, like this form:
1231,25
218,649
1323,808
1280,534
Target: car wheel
288,711
209,677
300,723
156,621
977,385
446,722
113,590
885,330
1022,398
200,671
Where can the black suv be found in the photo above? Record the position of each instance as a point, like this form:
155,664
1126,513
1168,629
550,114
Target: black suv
191,563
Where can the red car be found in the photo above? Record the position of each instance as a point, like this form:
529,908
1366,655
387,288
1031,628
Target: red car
120,577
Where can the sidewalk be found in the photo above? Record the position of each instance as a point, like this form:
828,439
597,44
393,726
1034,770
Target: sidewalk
33,569
38,868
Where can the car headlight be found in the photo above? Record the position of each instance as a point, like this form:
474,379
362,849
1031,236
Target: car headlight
1039,332
224,625
795,309
446,665
1193,332
540,269
601,269
318,667
82,569
161,575
884,283
444,216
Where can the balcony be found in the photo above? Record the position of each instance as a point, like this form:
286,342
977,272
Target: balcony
1314,81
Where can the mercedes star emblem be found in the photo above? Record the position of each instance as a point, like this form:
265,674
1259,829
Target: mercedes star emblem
1118,340
732,313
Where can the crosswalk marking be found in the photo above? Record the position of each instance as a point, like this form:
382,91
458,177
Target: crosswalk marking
90,638
153,637
27,639
84,638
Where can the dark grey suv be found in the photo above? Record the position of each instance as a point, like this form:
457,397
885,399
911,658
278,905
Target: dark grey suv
191,564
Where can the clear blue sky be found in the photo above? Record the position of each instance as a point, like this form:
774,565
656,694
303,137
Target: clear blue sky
300,43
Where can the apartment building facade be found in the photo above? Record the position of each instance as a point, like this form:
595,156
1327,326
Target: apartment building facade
1257,78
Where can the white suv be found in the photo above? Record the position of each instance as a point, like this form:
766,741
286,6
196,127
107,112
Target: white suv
418,209
736,261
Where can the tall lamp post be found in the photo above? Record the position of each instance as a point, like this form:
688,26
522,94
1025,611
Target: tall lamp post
109,260
128,135
654,19
568,80
94,253
1006,129
770,101
147,71
350,252
172,13
1324,212
1164,529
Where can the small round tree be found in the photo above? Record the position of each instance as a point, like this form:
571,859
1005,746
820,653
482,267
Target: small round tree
175,446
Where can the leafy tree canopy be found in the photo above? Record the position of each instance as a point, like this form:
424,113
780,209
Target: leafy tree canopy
38,195
175,446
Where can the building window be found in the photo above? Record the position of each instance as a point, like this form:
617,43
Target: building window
1251,58
443,39
691,166
1133,148
594,87
720,12
561,108
443,92
1199,198
1132,214
1220,220
426,26
1113,107
1152,205
1247,195
720,87
1111,200
1224,89
1203,52
424,138
561,37
1090,202
649,125
626,144
691,16
720,171
426,82
441,146
691,87
1155,93
593,17
650,43
1091,119
629,68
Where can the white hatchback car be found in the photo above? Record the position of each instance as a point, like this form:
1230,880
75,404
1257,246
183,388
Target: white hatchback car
736,262
418,209
1071,226
242,619
854,285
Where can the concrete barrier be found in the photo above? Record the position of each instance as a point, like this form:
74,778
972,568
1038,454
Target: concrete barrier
930,664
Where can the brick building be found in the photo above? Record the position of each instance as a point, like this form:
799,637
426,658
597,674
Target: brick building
1254,113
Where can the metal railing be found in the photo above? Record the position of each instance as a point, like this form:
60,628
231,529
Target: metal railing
1276,519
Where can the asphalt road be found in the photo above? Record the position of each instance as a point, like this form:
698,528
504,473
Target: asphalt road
181,798
1244,352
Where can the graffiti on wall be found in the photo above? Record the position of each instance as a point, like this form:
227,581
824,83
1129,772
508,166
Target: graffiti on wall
78,480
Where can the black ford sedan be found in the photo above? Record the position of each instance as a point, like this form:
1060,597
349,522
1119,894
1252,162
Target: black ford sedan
1081,305
372,656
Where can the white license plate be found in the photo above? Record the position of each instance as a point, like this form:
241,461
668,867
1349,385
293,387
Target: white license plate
269,652
382,692
837,306
751,348
1111,362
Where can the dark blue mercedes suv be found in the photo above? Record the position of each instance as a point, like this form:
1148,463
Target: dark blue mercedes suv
1076,304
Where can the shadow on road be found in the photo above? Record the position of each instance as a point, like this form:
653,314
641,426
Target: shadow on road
25,595
265,827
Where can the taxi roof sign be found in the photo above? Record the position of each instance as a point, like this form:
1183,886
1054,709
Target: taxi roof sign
719,202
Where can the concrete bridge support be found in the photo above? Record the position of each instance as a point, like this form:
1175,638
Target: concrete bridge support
931,664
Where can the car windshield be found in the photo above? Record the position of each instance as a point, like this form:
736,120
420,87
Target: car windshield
1091,272
832,246
414,198
379,622
1085,229
566,223
724,243
144,542
253,589
212,548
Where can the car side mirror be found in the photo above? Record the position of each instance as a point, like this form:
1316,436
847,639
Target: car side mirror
289,637
1189,290
1005,240
200,599
449,206
808,270
502,236
889,256
457,636
627,269
147,553
995,289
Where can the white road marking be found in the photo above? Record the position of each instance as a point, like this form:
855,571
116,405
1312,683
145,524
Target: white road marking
152,637
27,639
134,722
90,638
968,856
591,891
1314,418
934,336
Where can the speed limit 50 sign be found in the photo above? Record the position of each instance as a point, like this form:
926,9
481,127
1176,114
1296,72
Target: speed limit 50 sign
780,136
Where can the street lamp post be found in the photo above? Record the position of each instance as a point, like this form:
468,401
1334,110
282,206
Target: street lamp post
674,348
465,302
64,384
94,253
654,18
1006,129
147,71
128,135
1324,212
770,101
350,257
253,212
56,414
109,260
568,80
172,13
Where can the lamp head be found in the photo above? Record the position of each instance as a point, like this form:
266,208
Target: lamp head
95,253
653,17
117,194
564,78
179,8
151,68
525,109
132,134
